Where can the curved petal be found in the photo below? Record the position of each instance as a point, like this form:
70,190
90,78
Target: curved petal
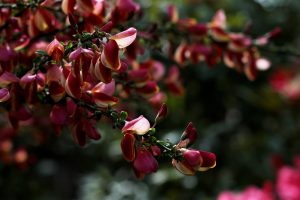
4,94
145,162
110,55
104,100
128,147
125,38
139,125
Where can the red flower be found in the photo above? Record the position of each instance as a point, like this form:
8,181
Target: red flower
288,183
194,160
56,50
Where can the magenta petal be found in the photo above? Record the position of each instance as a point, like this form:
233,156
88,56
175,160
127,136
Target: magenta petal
79,135
4,94
192,157
55,49
72,86
145,162
107,89
90,130
58,115
128,147
102,73
104,100
110,55
188,137
208,160
183,167
107,27
27,78
161,113
7,78
148,90
74,55
155,150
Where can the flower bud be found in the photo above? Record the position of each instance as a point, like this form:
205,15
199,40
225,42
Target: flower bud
188,137
56,50
172,13
161,113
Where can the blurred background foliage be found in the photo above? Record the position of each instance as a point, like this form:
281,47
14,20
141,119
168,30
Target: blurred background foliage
245,123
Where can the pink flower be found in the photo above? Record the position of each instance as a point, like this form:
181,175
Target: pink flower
250,193
288,183
286,83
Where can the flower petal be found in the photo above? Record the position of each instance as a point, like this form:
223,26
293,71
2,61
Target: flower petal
139,125
104,100
101,72
208,161
128,147
72,86
125,38
108,89
182,168
188,137
58,115
110,55
145,162
4,94
161,113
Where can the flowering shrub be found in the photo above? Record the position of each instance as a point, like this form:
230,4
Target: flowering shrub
78,62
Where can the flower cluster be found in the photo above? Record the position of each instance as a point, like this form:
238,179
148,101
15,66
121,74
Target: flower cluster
82,60
212,42
141,148
83,73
